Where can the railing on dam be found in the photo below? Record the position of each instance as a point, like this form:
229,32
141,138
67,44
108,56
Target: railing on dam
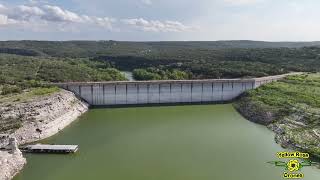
159,92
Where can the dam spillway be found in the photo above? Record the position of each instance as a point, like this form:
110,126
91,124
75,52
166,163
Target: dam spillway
163,92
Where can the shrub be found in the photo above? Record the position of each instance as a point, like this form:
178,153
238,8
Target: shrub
33,83
10,89
44,91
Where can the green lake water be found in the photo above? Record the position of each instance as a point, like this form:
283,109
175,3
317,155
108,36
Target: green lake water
200,142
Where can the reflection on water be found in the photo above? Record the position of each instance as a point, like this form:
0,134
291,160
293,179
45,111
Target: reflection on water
207,142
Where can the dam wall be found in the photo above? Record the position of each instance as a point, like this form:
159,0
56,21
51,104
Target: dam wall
163,92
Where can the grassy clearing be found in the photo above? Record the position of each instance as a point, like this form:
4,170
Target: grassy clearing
293,90
44,91
27,95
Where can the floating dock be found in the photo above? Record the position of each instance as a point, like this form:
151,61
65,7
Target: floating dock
47,148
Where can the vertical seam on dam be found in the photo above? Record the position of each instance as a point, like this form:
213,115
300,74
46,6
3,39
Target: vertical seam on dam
212,93
202,92
222,92
104,94
126,93
191,91
148,87
92,94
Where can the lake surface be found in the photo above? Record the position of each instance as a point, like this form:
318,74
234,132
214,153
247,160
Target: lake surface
201,142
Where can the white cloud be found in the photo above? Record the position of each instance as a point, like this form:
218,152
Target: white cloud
101,21
2,6
3,19
55,13
157,26
30,10
25,12
4,16
3,9
106,21
47,17
147,2
41,16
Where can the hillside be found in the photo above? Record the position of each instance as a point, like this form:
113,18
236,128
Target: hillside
23,72
186,60
291,108
94,48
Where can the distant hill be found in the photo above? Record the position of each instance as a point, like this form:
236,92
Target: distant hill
235,44
122,48
196,60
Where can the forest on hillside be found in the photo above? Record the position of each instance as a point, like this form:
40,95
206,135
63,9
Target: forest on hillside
220,63
23,72
26,63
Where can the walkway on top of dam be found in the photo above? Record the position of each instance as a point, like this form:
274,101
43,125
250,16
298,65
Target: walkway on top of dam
112,93
259,79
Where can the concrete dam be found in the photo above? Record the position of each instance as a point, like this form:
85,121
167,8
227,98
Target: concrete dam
163,92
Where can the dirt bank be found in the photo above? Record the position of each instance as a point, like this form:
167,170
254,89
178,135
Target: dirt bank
34,120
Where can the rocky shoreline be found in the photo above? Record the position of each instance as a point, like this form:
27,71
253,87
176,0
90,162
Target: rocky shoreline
40,118
291,132
10,164
290,108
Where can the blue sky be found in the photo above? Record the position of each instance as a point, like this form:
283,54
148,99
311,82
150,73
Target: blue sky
159,20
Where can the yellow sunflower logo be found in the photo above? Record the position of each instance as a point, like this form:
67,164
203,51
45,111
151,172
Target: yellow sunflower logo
293,165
